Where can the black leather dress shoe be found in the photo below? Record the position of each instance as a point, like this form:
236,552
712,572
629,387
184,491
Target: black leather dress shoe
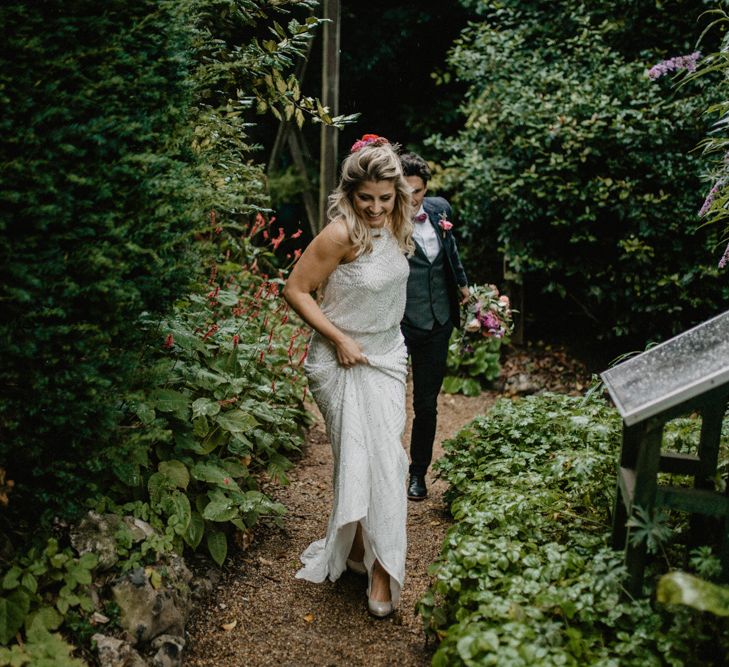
416,488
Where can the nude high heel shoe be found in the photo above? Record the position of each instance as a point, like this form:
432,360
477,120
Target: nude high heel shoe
378,608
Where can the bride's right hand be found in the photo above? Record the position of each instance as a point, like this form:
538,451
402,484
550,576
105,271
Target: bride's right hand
349,353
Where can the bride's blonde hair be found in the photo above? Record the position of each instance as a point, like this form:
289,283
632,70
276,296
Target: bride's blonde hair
373,162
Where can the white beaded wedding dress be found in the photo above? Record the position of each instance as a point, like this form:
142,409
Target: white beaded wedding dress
364,410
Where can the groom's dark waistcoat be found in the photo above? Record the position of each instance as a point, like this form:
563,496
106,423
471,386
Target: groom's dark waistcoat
432,291
427,300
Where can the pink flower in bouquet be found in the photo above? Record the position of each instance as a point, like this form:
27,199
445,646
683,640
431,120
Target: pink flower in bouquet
505,300
473,326
446,225
491,324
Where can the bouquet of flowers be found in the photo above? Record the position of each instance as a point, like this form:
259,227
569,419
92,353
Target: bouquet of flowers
474,352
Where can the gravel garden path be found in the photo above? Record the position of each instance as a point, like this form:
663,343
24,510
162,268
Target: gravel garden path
259,615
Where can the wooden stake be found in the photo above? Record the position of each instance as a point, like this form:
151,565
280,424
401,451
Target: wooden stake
330,99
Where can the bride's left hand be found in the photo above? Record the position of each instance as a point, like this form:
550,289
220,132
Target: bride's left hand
349,353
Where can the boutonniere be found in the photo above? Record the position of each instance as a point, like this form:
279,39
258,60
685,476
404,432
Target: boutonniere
445,224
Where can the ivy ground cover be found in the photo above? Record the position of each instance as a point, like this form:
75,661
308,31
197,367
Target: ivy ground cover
526,575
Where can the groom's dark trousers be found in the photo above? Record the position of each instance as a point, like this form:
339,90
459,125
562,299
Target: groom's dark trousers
428,350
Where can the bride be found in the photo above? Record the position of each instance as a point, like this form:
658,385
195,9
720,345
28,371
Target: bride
357,366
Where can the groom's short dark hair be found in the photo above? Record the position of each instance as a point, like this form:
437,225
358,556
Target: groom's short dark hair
414,165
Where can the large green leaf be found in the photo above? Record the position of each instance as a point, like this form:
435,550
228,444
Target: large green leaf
217,545
12,578
13,610
236,421
145,413
681,588
205,407
195,530
200,426
213,474
176,472
240,444
216,437
220,508
156,484
169,400
46,617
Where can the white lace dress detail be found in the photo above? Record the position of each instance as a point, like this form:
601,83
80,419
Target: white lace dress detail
364,410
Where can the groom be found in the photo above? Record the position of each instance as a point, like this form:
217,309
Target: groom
436,287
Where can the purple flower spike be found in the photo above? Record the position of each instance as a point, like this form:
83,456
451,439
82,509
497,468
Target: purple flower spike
724,258
709,200
688,62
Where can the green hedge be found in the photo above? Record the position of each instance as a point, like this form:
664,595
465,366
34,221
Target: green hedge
97,196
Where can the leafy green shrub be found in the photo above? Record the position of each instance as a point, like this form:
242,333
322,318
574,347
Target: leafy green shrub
580,169
220,402
526,576
40,589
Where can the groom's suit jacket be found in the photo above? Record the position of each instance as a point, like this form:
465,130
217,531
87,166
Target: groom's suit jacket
432,291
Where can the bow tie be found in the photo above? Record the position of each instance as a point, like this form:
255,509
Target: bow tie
421,218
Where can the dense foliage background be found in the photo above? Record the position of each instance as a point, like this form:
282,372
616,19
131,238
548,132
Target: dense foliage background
148,366
581,169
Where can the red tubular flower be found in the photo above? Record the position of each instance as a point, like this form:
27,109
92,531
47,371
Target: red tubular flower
261,356
297,254
210,331
302,358
297,233
278,240
284,319
169,341
236,339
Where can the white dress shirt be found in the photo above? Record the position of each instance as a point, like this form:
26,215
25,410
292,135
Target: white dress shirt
426,237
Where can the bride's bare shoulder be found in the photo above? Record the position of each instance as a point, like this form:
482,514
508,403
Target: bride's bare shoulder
336,231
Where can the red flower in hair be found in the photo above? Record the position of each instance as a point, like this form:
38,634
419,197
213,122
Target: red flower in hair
367,140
